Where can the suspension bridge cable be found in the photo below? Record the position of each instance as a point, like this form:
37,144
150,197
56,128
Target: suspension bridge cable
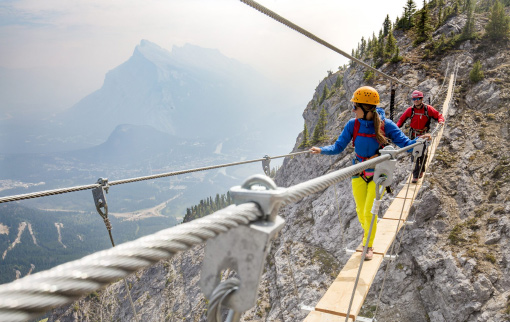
26,298
33,295
302,31
123,181
442,85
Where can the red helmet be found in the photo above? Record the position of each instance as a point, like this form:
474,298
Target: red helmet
417,94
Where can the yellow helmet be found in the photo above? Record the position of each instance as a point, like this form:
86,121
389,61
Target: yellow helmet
366,95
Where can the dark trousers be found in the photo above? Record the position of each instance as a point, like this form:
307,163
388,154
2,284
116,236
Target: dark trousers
420,162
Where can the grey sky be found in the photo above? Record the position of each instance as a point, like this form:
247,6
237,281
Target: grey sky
79,41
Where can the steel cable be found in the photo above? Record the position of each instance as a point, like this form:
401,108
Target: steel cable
442,85
302,31
219,294
33,295
117,182
301,190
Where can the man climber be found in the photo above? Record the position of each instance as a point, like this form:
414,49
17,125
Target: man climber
420,115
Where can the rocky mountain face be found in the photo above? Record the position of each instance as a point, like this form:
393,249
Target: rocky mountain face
176,92
453,263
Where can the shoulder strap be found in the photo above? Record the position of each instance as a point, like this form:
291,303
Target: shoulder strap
427,126
356,130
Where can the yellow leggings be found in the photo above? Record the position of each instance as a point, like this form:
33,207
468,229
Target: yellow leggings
364,195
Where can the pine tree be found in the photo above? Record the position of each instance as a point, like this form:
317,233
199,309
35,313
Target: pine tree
498,26
407,19
386,25
439,17
374,40
391,43
339,81
423,28
325,94
396,58
306,140
319,133
369,46
351,63
476,74
377,52
469,28
363,47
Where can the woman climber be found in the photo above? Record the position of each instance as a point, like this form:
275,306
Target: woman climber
369,132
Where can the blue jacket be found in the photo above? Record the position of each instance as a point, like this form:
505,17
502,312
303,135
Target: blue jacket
367,147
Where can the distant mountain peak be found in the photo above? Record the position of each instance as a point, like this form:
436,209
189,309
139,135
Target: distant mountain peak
168,89
153,53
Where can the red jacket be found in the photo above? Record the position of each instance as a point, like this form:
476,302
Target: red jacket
420,121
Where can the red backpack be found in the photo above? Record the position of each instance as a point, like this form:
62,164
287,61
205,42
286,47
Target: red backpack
356,132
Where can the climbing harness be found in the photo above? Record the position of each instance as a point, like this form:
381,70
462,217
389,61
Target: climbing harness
367,177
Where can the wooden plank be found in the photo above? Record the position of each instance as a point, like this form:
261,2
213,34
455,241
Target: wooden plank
337,297
316,316
404,193
397,206
384,236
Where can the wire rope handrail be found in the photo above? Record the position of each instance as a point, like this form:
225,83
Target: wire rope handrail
28,297
302,31
123,181
33,295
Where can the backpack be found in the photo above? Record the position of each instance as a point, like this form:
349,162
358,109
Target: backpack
355,133
425,106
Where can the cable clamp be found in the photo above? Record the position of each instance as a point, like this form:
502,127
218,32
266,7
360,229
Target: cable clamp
383,174
99,195
266,165
244,249
418,150
261,190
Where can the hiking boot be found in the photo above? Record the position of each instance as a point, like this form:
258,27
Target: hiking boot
369,254
414,180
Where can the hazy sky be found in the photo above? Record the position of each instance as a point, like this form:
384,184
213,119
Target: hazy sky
77,42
